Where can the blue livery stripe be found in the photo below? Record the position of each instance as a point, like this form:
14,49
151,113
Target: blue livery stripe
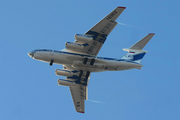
138,56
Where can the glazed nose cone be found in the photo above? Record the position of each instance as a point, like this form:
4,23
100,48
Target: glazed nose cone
31,54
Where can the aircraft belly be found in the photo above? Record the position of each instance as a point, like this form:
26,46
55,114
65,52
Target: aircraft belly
65,59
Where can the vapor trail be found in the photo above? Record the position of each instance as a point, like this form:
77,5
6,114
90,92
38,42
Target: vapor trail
96,101
127,25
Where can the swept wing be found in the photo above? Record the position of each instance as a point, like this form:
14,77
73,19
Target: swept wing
97,35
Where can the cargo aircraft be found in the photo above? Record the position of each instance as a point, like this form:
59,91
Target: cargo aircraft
79,58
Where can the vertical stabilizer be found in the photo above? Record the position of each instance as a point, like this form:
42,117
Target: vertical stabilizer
135,52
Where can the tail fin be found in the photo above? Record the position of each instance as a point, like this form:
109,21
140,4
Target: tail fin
135,52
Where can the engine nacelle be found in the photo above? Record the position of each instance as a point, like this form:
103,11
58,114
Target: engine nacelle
83,38
67,73
65,82
76,46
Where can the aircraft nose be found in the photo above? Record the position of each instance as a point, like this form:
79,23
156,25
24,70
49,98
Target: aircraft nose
31,54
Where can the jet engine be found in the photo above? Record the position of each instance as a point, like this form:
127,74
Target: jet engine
76,46
83,38
63,72
65,82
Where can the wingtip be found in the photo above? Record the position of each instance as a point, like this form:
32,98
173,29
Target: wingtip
151,33
122,7
80,111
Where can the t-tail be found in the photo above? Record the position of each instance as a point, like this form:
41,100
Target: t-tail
136,52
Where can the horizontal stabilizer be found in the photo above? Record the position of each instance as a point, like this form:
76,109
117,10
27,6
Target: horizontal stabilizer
140,44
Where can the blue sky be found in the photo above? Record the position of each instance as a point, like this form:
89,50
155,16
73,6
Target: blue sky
29,90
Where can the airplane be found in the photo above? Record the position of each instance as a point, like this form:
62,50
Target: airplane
79,58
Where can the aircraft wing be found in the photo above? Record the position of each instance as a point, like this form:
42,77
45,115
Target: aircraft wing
107,24
79,91
99,32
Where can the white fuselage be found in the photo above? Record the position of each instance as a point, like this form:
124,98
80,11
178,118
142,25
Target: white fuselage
75,60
